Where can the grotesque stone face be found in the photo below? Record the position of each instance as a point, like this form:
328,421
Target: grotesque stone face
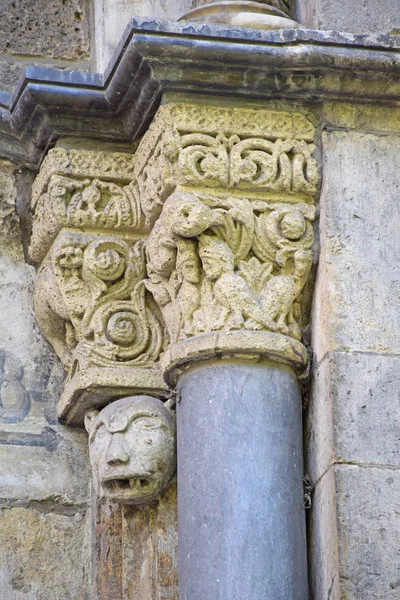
132,449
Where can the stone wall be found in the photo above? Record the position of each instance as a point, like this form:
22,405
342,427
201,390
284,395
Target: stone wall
353,420
355,16
112,16
44,475
52,33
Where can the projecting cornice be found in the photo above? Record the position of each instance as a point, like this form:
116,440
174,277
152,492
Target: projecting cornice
162,56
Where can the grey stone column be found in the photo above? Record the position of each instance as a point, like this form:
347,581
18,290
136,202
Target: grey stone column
258,14
240,499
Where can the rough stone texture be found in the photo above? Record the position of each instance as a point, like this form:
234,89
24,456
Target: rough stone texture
323,552
10,235
353,422
10,72
352,428
353,418
366,409
150,550
363,118
355,16
358,281
112,16
368,16
44,473
369,532
43,555
55,29
136,550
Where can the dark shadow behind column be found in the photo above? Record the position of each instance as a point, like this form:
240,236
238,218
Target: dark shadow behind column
240,493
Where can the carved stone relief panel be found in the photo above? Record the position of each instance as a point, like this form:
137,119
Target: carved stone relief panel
229,263
265,153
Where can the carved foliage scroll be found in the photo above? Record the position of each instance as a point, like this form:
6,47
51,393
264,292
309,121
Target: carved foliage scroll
256,152
91,301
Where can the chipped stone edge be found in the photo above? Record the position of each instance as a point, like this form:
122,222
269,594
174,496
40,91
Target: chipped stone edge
254,346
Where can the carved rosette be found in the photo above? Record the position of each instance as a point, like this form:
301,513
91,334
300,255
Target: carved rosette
199,246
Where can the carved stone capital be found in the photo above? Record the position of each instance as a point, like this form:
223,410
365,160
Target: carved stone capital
91,301
230,249
198,246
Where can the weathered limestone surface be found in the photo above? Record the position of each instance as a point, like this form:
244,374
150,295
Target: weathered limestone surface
10,235
369,16
352,439
366,409
351,418
151,572
44,554
362,118
368,501
323,550
352,423
358,281
135,552
30,381
55,28
112,16
10,72
43,466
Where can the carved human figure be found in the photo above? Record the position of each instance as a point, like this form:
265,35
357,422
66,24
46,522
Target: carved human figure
188,273
132,449
201,254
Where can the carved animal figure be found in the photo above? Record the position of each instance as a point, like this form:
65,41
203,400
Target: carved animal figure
52,315
230,290
183,215
280,292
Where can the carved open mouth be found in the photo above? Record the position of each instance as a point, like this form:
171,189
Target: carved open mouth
136,484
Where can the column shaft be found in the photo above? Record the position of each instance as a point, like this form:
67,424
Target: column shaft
240,498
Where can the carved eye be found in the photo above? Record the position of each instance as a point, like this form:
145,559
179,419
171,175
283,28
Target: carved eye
148,422
99,434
